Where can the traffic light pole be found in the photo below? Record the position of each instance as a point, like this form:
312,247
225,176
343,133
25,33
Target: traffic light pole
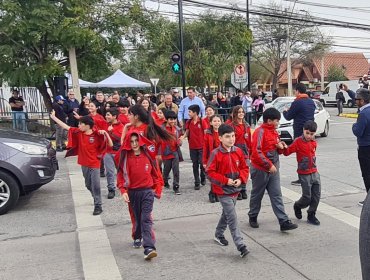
182,61
248,54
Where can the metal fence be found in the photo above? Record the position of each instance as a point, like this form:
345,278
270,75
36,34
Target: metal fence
226,112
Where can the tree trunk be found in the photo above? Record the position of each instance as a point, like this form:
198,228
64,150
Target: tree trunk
274,82
45,95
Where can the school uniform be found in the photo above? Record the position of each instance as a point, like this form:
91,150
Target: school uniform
223,165
196,141
307,173
264,155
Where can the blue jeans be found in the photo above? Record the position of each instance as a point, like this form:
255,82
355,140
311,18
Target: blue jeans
19,121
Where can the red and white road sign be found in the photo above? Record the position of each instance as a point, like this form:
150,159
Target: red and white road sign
239,70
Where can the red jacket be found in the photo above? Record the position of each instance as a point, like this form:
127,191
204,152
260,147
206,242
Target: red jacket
223,165
211,142
125,180
306,155
169,148
99,122
115,135
243,137
264,151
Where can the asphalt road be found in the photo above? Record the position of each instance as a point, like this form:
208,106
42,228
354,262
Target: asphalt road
52,234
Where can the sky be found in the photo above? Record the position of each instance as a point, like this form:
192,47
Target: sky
354,11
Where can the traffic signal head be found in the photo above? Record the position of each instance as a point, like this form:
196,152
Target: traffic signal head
176,64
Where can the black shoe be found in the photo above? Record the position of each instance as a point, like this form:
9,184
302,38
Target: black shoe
296,182
97,210
137,244
176,191
59,149
244,194
221,240
203,182
297,211
311,219
111,194
253,222
216,198
167,186
102,175
239,196
197,187
243,251
64,147
149,254
212,197
288,225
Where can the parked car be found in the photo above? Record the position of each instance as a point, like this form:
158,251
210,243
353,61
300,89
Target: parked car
26,163
285,128
314,94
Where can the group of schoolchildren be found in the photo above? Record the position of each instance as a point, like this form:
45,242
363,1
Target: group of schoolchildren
145,149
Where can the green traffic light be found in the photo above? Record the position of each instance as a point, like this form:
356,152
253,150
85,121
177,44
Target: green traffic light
176,67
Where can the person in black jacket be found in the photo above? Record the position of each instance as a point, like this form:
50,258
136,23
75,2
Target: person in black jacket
71,105
340,99
60,133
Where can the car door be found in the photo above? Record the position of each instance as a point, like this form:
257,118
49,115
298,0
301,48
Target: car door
320,117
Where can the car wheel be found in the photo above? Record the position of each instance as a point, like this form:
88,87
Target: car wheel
326,130
9,192
350,104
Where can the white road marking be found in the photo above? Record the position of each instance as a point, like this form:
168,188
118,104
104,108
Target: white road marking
339,123
96,253
326,209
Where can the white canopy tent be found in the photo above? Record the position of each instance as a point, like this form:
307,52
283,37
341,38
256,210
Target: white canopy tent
121,80
82,83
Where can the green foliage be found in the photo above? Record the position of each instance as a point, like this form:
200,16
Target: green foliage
336,73
35,37
213,45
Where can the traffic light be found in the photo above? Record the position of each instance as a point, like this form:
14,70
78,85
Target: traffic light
176,64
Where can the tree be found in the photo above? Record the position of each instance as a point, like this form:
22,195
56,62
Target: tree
35,37
336,73
270,44
213,45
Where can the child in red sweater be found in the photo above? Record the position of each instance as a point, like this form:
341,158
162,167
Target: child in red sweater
206,122
243,138
171,153
211,142
305,149
139,181
195,134
227,170
266,147
89,145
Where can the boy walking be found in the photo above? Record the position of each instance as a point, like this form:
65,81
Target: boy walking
305,149
139,181
170,152
114,129
90,146
266,147
195,134
227,170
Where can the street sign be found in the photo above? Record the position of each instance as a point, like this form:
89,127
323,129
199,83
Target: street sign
155,82
240,70
239,78
239,84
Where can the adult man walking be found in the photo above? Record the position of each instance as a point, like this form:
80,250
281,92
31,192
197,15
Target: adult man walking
71,105
168,103
301,110
191,99
19,117
361,129
60,133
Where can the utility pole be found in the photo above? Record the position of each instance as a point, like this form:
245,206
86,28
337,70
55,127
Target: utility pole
74,73
288,64
322,74
182,61
248,54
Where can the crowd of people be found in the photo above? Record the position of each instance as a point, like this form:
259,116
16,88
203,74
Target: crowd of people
136,146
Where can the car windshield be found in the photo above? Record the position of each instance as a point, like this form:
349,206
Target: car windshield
282,105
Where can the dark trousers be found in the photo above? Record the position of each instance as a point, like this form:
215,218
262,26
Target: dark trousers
196,158
173,164
364,239
364,159
102,167
141,201
311,192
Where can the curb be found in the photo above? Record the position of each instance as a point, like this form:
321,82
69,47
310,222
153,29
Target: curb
351,116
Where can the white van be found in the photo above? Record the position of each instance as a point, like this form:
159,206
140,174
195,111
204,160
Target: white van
328,96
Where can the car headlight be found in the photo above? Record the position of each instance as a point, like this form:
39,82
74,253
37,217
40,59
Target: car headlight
28,148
